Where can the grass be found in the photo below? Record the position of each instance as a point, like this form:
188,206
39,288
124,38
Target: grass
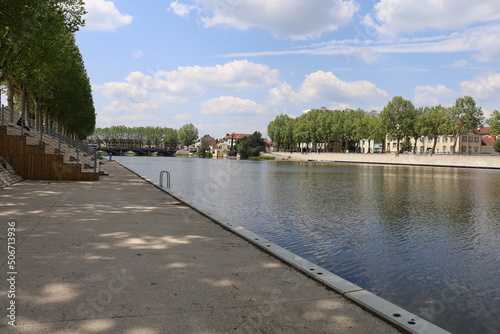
262,157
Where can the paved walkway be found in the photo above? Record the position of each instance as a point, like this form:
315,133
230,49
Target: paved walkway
121,256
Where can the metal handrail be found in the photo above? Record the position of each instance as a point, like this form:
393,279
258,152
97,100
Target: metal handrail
162,173
9,117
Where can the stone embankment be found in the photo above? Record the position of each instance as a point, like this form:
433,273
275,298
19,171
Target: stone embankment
467,161
8,175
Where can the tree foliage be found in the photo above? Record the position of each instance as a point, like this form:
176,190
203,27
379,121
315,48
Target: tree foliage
463,117
144,136
187,134
251,146
496,146
431,123
494,122
399,119
203,148
41,65
399,116
280,130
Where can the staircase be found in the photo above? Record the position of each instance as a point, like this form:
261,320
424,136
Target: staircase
44,155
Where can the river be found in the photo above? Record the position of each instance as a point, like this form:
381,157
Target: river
424,238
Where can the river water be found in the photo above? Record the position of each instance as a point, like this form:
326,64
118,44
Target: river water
424,238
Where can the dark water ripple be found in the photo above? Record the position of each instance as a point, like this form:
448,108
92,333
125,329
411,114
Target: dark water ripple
427,239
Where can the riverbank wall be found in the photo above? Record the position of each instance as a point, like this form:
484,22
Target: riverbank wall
8,175
462,161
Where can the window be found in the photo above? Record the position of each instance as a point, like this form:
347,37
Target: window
445,139
464,149
464,139
437,140
470,139
452,139
394,145
476,148
444,149
476,139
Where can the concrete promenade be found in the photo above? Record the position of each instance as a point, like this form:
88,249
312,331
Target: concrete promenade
442,160
121,256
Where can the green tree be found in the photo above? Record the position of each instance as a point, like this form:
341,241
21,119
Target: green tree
203,148
413,131
463,117
362,128
325,127
300,131
494,122
431,123
377,131
187,134
355,128
170,137
251,146
338,129
280,130
40,62
398,116
496,146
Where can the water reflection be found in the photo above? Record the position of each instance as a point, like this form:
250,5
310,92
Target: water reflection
424,238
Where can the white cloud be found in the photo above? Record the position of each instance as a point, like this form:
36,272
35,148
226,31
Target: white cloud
230,105
483,42
143,93
325,85
459,64
235,75
485,87
284,94
183,117
487,44
298,20
341,106
429,96
392,17
181,9
138,54
103,15
104,121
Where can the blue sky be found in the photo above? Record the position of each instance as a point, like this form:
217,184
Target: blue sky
234,65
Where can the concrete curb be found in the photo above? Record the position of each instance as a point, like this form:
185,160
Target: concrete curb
378,306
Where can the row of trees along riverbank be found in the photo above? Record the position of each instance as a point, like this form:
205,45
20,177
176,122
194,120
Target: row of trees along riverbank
144,136
41,68
399,119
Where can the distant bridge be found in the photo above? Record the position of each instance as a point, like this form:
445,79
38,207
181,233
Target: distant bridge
166,152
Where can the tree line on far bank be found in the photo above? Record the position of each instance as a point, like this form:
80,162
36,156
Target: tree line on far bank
149,135
41,67
399,119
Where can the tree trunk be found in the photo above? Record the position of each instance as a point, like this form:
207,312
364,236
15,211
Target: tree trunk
434,145
455,144
10,97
